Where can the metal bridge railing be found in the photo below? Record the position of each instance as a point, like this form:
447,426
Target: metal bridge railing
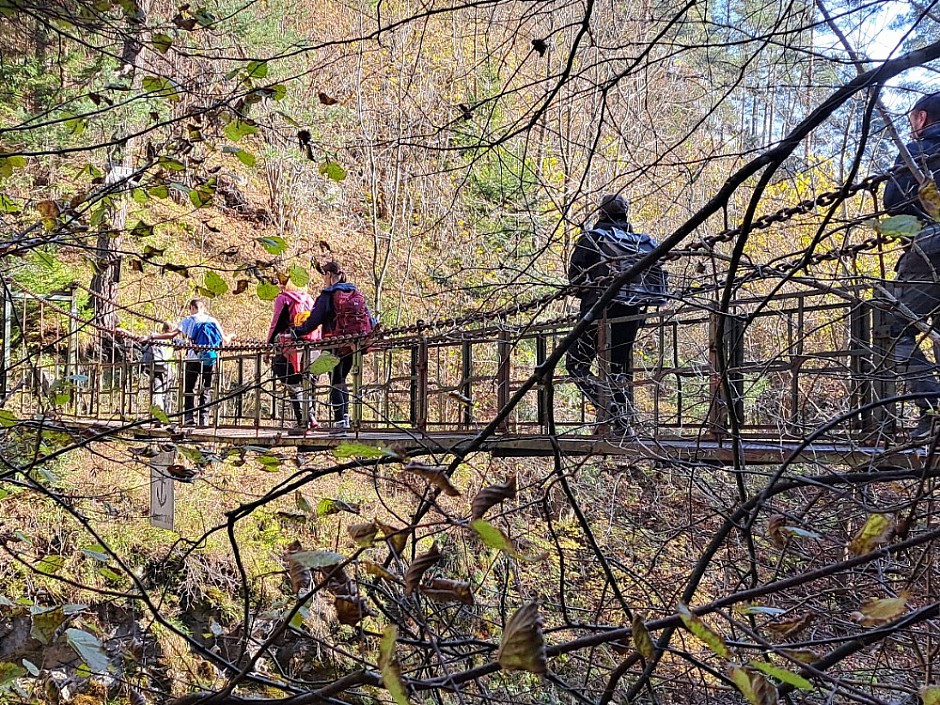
793,360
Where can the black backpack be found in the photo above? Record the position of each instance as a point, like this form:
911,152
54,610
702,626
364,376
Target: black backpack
620,250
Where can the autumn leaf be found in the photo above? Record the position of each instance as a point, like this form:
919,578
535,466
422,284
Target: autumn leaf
877,530
930,198
491,496
363,533
703,632
351,609
756,689
419,567
390,668
782,675
930,695
444,590
641,638
876,612
522,647
791,627
378,571
396,538
300,576
435,475
326,507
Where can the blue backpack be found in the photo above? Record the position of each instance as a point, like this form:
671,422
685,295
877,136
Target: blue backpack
207,333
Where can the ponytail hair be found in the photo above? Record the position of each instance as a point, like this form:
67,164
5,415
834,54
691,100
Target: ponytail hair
333,267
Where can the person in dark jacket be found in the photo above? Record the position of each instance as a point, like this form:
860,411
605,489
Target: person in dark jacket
324,314
917,287
586,266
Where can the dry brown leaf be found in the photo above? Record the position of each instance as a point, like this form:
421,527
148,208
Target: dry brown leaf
351,610
877,530
775,524
876,612
419,566
300,577
930,198
435,475
48,209
397,538
378,571
444,590
491,496
522,647
364,533
755,688
791,627
801,655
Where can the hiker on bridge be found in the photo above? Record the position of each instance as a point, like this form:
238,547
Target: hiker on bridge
917,286
291,308
610,248
200,329
341,311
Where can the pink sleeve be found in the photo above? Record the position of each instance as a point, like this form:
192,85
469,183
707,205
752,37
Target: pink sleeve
279,304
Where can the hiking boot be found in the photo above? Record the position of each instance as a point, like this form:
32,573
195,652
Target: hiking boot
924,428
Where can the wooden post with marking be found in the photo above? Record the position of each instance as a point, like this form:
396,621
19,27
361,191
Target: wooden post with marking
503,374
162,500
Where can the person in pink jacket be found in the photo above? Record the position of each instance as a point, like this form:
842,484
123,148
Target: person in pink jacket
291,307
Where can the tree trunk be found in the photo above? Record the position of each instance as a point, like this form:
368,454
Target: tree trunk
105,283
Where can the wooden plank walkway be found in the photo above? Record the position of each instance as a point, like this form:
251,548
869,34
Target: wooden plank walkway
755,452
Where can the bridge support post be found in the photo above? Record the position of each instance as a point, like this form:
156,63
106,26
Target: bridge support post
603,374
503,374
355,396
860,362
419,384
541,352
732,347
884,376
466,384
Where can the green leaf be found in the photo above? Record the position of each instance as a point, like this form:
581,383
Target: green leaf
494,538
317,559
246,158
279,90
88,646
9,672
215,283
8,205
159,414
698,628
44,623
75,125
274,244
327,506
359,450
269,462
299,276
257,69
161,42
160,191
8,418
171,164
332,170
899,226
97,552
302,503
195,198
267,291
239,128
390,668
161,87
109,574
323,364
930,695
783,675
142,229
31,667
51,564
140,195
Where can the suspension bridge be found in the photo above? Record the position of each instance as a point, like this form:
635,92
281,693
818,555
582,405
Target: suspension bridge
793,370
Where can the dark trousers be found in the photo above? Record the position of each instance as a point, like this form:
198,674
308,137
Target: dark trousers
583,353
339,390
918,289
195,373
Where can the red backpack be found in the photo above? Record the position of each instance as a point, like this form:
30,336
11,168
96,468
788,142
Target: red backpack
350,315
